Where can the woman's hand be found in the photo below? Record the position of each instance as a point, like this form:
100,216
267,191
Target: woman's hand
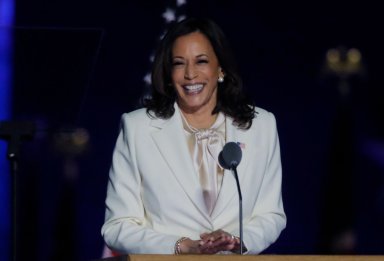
218,240
189,246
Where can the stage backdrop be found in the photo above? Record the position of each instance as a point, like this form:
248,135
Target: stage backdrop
78,65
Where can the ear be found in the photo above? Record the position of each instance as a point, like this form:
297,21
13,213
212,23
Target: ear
221,72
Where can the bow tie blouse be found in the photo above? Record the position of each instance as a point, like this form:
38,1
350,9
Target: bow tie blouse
204,147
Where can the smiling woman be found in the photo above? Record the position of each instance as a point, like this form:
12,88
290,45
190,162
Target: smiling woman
185,202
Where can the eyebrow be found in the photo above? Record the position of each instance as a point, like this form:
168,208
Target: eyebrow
198,56
201,55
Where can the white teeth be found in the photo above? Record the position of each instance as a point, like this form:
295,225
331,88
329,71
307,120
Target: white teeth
194,87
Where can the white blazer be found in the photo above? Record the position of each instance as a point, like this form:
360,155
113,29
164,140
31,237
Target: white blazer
154,195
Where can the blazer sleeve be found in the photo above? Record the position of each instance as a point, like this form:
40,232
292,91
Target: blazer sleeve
268,218
125,229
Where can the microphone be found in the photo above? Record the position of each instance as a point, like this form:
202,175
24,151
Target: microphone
15,132
229,158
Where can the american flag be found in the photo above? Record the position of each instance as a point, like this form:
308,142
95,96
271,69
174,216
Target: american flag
173,12
241,145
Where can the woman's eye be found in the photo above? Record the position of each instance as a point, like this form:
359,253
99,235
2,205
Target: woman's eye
202,61
176,63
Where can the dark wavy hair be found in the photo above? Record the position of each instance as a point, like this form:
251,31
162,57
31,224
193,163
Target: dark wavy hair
231,100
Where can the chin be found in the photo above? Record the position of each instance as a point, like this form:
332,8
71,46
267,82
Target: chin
193,104
190,109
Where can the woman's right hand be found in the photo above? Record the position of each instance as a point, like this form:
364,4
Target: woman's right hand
190,246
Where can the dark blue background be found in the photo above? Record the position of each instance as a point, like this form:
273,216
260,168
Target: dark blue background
80,64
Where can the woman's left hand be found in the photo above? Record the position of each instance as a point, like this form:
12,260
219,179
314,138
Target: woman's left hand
217,241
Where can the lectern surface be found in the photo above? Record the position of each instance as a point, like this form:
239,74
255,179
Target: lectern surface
248,258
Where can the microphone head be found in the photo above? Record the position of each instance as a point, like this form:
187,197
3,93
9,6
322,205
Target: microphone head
230,156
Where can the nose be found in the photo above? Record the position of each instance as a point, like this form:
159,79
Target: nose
190,72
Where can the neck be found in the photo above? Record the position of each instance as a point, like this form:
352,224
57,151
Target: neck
200,120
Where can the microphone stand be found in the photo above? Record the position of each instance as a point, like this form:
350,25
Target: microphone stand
14,133
233,167
12,157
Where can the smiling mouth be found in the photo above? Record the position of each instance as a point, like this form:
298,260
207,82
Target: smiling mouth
193,89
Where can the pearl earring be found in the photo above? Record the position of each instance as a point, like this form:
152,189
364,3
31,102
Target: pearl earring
220,79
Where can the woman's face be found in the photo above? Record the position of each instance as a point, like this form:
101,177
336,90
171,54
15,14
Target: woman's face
195,70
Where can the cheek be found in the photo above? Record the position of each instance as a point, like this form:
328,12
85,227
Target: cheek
177,87
177,75
212,73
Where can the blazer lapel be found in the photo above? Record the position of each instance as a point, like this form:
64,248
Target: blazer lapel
172,145
229,188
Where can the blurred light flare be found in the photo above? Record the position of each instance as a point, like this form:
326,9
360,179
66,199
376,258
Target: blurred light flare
6,22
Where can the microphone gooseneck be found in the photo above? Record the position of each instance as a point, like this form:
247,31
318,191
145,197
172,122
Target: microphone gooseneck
229,158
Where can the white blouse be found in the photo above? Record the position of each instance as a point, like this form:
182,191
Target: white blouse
204,146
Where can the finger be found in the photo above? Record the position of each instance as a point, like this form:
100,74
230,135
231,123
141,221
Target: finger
204,245
223,242
230,246
209,251
216,235
209,236
223,237
214,250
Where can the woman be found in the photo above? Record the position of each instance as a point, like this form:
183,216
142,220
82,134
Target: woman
167,192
